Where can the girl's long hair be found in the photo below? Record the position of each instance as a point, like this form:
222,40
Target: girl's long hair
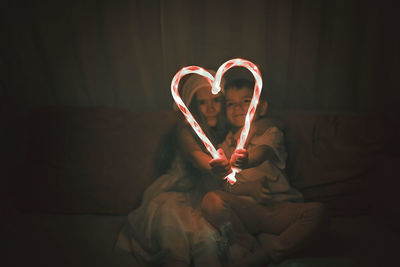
216,133
169,144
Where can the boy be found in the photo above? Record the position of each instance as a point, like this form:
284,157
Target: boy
261,202
264,160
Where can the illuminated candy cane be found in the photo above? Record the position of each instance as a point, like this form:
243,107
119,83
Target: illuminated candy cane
189,117
238,62
216,88
182,107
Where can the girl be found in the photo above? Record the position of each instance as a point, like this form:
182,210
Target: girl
168,227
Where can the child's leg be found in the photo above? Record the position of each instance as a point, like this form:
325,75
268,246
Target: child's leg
292,224
289,226
217,209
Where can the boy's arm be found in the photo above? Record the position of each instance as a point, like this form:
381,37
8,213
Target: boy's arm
269,145
260,154
243,159
257,190
239,188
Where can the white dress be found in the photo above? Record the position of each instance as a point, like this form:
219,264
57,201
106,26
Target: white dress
168,225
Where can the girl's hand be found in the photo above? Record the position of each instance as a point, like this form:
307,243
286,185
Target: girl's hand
240,158
221,166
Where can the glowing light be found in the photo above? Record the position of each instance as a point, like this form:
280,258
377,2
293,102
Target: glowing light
182,107
238,62
216,88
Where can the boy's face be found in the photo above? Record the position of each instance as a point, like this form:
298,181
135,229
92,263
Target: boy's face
237,103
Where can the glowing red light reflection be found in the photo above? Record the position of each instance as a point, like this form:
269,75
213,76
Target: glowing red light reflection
216,88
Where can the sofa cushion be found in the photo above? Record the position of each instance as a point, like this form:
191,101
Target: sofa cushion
88,240
64,240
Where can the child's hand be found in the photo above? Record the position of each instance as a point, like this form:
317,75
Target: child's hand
260,191
240,158
220,166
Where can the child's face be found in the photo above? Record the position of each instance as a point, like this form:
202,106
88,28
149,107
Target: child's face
237,103
210,105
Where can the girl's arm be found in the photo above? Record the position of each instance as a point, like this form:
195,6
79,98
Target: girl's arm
192,151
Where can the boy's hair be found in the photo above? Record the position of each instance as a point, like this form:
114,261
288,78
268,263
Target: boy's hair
243,83
239,84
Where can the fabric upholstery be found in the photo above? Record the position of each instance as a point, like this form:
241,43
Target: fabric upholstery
99,160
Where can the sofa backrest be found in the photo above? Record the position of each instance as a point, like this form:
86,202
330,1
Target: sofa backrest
91,160
347,161
100,160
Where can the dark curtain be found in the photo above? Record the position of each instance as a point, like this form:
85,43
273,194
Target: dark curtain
315,55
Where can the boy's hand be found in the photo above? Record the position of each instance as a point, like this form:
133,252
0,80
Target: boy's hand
240,158
260,191
221,166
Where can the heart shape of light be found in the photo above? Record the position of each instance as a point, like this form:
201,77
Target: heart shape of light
215,83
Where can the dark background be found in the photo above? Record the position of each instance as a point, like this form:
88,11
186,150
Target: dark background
318,55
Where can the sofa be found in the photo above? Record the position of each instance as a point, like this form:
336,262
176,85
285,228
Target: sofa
72,174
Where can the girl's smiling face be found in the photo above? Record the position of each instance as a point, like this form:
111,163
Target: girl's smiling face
209,104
